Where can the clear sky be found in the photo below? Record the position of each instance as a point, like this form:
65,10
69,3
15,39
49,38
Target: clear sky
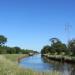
31,23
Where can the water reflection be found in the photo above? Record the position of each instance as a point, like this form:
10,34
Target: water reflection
40,63
64,68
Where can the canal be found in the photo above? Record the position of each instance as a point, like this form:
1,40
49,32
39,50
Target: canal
42,64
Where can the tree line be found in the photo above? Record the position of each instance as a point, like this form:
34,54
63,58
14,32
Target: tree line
12,50
56,47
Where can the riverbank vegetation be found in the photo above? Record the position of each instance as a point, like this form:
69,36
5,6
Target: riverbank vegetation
57,49
10,58
9,66
12,50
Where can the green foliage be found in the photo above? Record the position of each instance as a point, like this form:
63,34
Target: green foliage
11,50
14,50
17,50
56,47
71,46
3,40
45,49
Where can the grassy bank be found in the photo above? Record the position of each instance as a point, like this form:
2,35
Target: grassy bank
8,66
15,57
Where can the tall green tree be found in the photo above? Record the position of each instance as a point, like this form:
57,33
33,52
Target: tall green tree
45,49
57,45
3,40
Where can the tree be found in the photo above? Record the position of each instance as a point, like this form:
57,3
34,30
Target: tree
3,40
17,49
45,49
57,45
54,40
71,46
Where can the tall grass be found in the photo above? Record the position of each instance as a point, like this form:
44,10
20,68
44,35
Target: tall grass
14,57
9,67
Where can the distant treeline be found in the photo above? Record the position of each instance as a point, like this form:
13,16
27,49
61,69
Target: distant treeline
12,50
56,47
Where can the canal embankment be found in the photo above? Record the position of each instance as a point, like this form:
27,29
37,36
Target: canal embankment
63,58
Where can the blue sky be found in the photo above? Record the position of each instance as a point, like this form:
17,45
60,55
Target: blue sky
31,23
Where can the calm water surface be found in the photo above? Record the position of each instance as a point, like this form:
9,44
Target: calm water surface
39,63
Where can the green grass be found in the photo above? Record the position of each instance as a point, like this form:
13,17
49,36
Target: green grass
14,57
8,66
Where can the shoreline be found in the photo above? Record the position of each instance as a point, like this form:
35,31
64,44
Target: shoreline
68,59
21,57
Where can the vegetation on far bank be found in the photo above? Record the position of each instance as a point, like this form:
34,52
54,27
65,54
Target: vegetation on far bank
56,47
12,50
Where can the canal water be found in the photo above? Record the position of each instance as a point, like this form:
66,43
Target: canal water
42,64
